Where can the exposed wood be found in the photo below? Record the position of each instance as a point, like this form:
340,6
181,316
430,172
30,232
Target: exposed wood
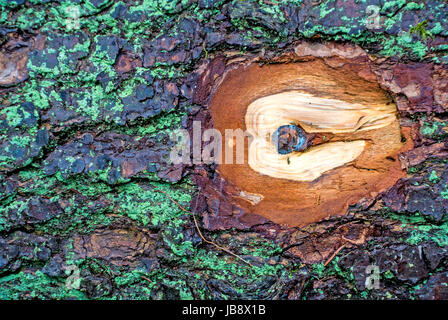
314,114
358,158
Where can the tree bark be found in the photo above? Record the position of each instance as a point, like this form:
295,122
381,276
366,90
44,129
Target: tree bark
91,94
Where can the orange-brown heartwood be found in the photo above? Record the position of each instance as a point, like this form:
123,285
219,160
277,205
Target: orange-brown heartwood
357,159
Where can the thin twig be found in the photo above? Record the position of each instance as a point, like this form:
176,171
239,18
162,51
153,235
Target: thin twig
147,279
360,240
334,255
199,230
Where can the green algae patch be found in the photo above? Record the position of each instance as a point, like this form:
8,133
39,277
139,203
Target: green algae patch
35,285
420,229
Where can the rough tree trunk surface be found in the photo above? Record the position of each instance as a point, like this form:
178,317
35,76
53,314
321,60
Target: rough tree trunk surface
91,91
